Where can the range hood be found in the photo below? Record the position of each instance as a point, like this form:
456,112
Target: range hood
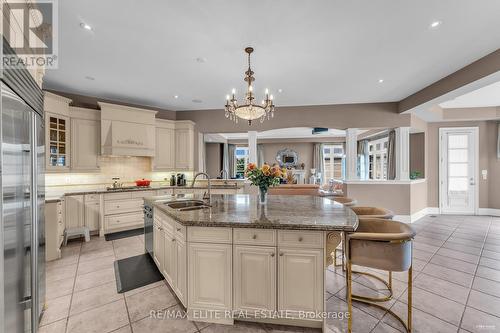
127,131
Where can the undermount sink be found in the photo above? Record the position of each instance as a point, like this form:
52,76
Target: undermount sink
187,205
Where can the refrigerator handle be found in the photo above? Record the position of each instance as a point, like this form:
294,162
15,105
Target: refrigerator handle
34,228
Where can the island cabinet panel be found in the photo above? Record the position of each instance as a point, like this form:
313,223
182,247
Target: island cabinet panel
180,287
302,239
254,277
209,278
74,211
158,246
210,235
246,236
300,280
169,258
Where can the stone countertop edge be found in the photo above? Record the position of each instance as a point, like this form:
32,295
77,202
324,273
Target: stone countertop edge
159,202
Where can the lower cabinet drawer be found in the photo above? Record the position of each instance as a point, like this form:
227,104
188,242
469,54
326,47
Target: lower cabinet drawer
123,220
209,235
302,239
123,206
246,236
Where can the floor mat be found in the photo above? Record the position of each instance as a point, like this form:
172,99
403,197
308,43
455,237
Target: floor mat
136,272
124,234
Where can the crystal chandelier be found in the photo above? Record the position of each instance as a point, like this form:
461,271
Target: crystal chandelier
249,110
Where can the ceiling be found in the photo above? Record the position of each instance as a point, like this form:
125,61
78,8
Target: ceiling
318,52
482,97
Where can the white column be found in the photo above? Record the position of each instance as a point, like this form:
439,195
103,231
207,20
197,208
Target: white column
351,153
252,147
402,153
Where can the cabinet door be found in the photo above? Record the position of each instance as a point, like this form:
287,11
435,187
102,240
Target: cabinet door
169,258
254,278
165,149
57,138
86,145
92,213
209,278
74,211
181,280
184,150
158,246
300,280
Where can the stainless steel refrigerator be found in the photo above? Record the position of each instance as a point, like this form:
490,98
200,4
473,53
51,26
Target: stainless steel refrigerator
22,200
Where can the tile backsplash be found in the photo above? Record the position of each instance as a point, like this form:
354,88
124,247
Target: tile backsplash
128,169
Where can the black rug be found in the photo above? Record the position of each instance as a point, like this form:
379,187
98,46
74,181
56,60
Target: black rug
136,272
124,234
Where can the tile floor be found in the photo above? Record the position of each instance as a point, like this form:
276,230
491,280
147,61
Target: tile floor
456,287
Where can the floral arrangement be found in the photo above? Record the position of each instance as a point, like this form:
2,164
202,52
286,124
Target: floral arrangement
264,177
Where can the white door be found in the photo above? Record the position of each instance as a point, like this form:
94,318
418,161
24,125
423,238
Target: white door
458,170
254,278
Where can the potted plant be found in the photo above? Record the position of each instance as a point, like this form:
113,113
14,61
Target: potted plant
263,178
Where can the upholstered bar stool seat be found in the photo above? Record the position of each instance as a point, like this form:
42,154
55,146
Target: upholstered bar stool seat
372,212
384,245
345,201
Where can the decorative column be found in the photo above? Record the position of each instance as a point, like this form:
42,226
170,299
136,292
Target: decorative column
402,153
252,147
351,153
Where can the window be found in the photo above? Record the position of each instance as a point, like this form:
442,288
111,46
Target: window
241,156
377,155
333,162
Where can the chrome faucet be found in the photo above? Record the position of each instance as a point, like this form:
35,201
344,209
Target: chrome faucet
206,196
222,172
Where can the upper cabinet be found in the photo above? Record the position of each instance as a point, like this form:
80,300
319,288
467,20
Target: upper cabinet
184,145
85,138
57,133
164,159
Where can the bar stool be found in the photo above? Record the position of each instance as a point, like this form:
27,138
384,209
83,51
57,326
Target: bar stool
366,213
385,245
345,201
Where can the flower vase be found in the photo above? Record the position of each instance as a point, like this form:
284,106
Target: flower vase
263,196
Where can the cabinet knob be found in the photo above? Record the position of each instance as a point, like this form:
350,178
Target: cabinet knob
281,254
272,254
300,239
178,229
117,206
173,239
254,236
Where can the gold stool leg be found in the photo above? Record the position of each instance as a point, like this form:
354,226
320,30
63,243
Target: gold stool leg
349,296
410,299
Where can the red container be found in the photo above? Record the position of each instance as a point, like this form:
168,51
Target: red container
142,182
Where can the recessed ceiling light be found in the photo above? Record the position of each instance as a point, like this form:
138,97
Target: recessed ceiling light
197,101
176,96
380,80
280,90
435,24
201,60
86,26
91,78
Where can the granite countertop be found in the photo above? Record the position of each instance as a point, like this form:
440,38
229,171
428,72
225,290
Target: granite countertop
299,212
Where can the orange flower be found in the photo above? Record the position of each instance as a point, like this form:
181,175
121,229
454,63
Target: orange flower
251,166
267,172
276,172
265,168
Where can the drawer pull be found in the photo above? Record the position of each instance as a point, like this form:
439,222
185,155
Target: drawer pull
173,239
117,206
178,229
281,254
272,255
300,239
254,236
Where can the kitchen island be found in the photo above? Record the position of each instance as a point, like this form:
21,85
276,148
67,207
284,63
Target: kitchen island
241,260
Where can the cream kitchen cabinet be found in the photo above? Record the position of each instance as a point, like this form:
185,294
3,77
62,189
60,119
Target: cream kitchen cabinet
184,145
57,138
164,159
169,258
180,286
209,276
254,278
300,280
54,229
74,211
158,245
92,211
86,145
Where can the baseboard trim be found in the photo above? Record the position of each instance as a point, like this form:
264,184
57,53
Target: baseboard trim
488,211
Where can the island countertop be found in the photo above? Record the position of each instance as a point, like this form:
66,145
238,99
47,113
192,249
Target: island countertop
298,212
